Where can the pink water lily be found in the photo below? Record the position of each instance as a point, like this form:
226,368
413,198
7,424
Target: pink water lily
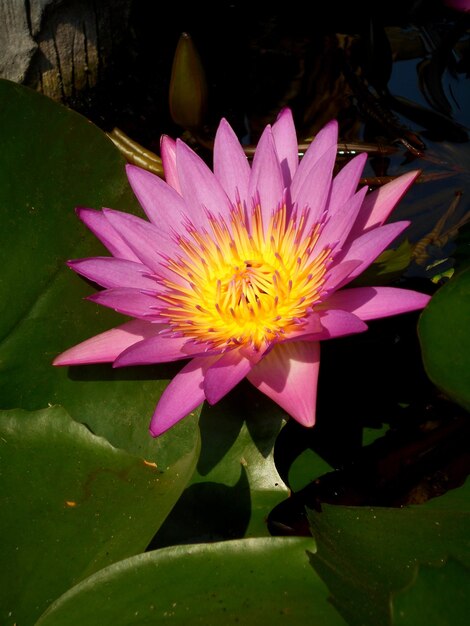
242,270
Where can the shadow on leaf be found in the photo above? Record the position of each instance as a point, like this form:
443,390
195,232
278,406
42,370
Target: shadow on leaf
218,513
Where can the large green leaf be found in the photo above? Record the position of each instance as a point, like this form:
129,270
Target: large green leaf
264,581
236,483
71,504
438,596
366,555
445,338
53,159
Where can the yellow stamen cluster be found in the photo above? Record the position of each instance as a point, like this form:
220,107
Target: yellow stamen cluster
245,286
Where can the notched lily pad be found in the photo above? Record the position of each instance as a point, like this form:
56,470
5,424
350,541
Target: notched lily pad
366,555
71,504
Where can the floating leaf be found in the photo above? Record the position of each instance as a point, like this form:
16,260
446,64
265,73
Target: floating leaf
365,555
438,596
251,581
308,466
71,504
445,340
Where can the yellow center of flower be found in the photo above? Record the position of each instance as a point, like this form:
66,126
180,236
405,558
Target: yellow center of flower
245,286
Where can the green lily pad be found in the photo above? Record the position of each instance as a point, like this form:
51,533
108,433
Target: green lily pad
438,596
71,505
366,555
52,160
445,339
306,468
264,581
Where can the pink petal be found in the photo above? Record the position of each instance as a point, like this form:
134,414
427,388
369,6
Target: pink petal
332,323
368,247
111,272
325,139
168,154
285,140
373,302
337,323
315,189
231,166
338,274
339,224
266,177
345,183
161,203
160,349
379,204
99,226
288,375
183,395
107,346
200,188
146,241
128,301
221,377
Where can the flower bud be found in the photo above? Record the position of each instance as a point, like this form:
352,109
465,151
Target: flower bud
188,86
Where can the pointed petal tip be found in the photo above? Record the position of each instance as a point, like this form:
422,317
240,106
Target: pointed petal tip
230,164
402,223
412,300
332,124
284,112
330,130
155,431
412,174
134,172
226,132
59,361
81,210
285,118
361,157
224,123
166,139
401,184
160,424
70,358
167,149
308,421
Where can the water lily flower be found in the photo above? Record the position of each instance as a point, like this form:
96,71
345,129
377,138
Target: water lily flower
243,270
